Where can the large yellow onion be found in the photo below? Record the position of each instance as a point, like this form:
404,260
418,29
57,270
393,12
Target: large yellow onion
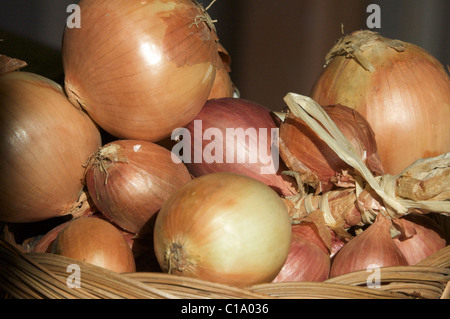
402,90
223,227
45,141
140,68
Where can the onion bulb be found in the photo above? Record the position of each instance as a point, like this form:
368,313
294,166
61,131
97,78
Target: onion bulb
308,258
140,68
45,142
236,135
223,227
420,237
373,247
95,241
306,153
129,180
402,91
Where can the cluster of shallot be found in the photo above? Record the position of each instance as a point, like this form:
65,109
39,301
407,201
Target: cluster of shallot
95,155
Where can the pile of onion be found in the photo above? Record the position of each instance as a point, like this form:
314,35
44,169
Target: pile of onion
45,142
129,180
402,91
95,241
235,135
306,153
140,68
223,227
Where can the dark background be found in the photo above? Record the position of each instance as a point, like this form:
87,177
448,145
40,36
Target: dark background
276,46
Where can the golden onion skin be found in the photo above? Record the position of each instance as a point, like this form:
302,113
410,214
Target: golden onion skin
223,227
95,241
140,68
406,97
45,143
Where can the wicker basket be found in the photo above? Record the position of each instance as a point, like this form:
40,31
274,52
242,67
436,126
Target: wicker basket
44,276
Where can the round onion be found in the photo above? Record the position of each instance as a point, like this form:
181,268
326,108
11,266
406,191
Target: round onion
241,142
373,247
95,241
129,180
421,237
140,68
45,142
225,228
305,153
402,91
308,259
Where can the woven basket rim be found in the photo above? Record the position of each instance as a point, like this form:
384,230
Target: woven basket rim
43,275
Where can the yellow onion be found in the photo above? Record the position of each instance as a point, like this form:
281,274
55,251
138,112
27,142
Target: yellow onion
306,153
372,248
140,68
223,227
402,91
45,142
129,180
308,258
95,241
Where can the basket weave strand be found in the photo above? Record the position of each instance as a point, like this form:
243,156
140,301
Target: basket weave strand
37,275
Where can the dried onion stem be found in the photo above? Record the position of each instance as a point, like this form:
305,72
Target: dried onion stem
422,187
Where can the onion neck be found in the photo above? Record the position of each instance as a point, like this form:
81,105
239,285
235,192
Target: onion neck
354,44
204,16
176,258
106,157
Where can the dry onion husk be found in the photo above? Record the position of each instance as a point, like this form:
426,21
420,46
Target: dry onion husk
313,160
435,169
223,85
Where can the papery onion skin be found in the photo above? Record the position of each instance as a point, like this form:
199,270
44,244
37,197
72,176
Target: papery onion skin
46,141
233,114
406,99
129,181
304,152
421,238
308,258
371,248
95,241
225,228
140,68
223,85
